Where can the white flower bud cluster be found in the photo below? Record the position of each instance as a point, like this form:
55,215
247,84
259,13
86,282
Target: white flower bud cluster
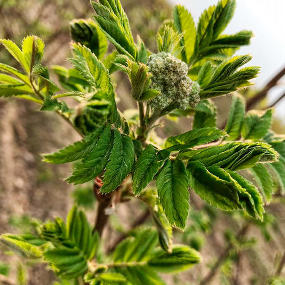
169,76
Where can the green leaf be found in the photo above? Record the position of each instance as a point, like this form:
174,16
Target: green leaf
205,115
67,261
264,180
279,169
213,189
139,275
104,148
205,74
74,244
181,258
172,187
211,24
96,74
233,156
164,228
225,189
91,68
23,245
254,207
73,152
227,77
225,46
15,51
168,40
7,79
145,169
33,50
13,71
236,118
185,25
89,34
131,256
120,162
108,278
195,137
4,269
256,124
8,90
114,22
137,248
94,159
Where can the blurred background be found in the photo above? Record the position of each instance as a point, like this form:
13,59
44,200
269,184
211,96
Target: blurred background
235,251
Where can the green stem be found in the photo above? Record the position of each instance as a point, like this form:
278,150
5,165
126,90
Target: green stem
142,129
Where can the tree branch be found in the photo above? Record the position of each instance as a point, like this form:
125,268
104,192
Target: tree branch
223,256
104,201
276,101
280,266
263,93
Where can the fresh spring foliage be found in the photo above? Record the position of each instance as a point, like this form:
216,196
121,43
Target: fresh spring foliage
192,64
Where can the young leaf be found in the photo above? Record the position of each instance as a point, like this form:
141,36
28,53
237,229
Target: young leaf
96,74
88,33
145,169
13,71
95,158
264,180
279,169
233,156
226,77
16,52
22,245
74,245
185,25
181,258
114,22
168,40
236,117
172,187
120,162
108,278
195,137
256,124
205,115
211,24
75,151
138,248
211,188
8,90
91,68
33,50
205,74
225,189
254,205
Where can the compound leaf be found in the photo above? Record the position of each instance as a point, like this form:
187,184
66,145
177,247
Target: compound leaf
181,258
172,187
120,162
195,137
185,25
264,180
256,124
205,115
236,117
145,169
